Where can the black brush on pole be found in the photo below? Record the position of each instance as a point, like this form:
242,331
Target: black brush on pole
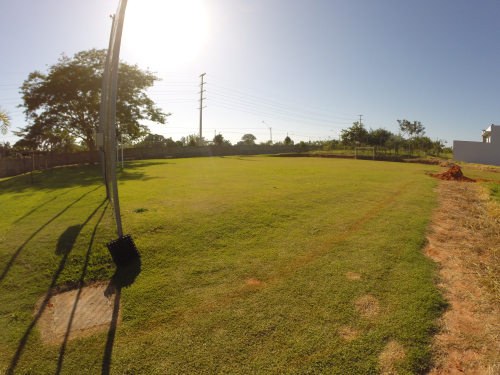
123,250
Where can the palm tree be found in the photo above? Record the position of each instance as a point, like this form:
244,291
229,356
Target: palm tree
5,121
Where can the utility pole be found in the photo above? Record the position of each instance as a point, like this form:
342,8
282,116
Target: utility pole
360,120
201,109
123,165
270,131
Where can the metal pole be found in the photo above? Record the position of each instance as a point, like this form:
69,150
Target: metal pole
112,114
201,110
270,131
103,112
123,166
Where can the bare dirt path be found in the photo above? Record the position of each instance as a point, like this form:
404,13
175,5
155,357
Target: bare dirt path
464,242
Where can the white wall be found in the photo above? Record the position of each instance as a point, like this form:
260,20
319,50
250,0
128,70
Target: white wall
479,152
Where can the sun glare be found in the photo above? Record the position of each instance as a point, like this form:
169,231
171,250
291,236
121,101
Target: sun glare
165,32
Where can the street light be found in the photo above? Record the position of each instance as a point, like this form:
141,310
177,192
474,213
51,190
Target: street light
270,132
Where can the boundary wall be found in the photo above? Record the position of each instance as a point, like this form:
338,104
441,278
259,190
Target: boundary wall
480,152
14,167
477,152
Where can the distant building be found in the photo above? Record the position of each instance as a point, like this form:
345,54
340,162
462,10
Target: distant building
485,152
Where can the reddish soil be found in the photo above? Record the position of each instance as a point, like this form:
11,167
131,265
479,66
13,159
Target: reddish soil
455,174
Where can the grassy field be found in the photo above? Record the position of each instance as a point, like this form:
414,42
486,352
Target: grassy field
381,152
249,265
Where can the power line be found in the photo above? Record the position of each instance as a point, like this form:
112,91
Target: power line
171,93
236,101
177,101
305,105
275,103
266,112
275,117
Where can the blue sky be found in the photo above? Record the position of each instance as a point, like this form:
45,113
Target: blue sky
306,68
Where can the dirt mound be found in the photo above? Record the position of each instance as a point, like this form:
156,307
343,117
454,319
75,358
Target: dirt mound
453,174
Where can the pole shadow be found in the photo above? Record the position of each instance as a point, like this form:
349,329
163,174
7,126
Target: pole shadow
122,278
62,351
40,206
18,251
48,296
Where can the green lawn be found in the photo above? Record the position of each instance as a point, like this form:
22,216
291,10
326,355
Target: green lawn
243,269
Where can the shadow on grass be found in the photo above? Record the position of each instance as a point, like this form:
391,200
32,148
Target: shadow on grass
73,176
62,351
67,240
122,278
24,339
40,206
244,158
16,253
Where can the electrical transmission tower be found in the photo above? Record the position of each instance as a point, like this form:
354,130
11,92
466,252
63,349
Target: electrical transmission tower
201,109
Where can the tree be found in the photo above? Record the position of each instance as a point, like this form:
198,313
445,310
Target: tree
68,98
438,147
249,139
5,121
355,135
156,140
288,140
152,140
424,144
5,150
378,137
303,146
397,141
413,130
219,140
191,140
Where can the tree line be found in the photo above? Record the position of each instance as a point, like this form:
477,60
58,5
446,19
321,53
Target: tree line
158,140
62,109
410,139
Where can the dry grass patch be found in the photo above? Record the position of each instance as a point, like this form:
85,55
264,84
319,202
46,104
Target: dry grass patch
393,353
368,306
348,333
480,167
353,276
252,281
466,244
